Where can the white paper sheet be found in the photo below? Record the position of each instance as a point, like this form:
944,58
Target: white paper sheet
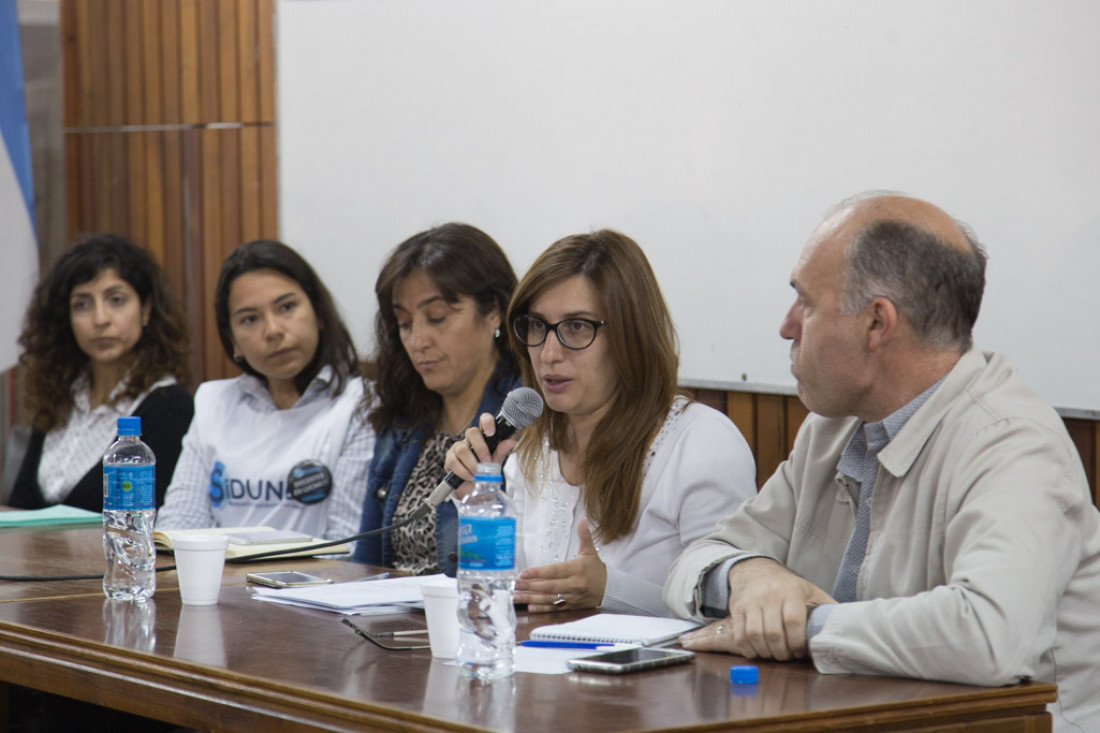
356,597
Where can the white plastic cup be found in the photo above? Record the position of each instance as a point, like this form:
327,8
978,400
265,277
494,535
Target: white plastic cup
200,558
441,610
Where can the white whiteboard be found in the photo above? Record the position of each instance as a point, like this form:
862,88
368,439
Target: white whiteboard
715,133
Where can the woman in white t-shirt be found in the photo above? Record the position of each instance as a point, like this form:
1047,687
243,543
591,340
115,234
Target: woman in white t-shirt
284,444
620,473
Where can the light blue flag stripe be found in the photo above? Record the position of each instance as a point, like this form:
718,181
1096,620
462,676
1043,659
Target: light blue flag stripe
17,240
13,108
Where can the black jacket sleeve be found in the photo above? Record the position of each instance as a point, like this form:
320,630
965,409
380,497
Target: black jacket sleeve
165,416
25,493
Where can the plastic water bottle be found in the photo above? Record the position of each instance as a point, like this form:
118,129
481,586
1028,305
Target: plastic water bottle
129,508
486,575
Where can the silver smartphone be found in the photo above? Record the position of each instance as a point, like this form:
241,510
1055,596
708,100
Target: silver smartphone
630,660
286,579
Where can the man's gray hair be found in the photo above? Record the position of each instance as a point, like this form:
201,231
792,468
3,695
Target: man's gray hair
936,286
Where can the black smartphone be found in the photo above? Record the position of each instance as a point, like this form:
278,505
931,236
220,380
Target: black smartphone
286,579
630,660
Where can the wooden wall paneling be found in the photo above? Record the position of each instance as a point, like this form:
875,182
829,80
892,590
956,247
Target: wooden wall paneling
115,52
100,181
152,143
93,179
741,408
230,174
173,234
269,184
171,60
137,181
210,242
796,413
714,398
118,160
266,55
771,435
133,48
189,195
82,62
208,61
151,64
232,236
96,114
80,180
190,92
108,159
248,63
1083,434
73,192
251,223
101,184
69,28
195,296
228,62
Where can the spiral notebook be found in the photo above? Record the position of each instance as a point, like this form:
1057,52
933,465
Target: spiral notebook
162,538
617,628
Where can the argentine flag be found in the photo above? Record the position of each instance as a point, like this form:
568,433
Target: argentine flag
17,241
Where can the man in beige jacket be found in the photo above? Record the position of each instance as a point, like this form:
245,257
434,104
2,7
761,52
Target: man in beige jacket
933,519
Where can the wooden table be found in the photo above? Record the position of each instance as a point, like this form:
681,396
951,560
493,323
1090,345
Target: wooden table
244,665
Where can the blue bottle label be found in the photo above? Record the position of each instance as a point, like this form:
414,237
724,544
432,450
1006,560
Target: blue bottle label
128,488
486,543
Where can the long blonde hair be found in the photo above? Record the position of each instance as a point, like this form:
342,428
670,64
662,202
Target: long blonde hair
644,355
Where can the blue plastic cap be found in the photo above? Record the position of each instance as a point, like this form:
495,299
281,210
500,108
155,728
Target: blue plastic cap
488,472
744,674
129,426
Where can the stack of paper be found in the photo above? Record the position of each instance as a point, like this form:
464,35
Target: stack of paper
59,515
362,597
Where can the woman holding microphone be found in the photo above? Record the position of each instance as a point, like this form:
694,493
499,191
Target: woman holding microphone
441,359
620,473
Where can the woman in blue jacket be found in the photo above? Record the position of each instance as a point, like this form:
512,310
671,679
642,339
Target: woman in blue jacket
441,360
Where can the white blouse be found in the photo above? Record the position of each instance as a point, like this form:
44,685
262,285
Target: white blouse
71,450
698,469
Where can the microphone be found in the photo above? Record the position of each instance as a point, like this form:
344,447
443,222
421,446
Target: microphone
521,407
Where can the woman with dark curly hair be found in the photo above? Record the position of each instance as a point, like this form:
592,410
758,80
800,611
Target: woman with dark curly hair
441,359
103,338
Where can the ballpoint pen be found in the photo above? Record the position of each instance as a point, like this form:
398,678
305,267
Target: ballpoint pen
388,634
571,644
374,638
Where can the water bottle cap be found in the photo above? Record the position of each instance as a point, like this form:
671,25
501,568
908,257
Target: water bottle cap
488,472
744,674
129,426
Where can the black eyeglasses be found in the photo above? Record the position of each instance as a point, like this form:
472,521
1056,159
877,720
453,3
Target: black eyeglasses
572,333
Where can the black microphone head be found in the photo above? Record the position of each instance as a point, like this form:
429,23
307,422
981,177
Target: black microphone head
521,407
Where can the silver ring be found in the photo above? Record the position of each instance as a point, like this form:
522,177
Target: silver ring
560,600
719,629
